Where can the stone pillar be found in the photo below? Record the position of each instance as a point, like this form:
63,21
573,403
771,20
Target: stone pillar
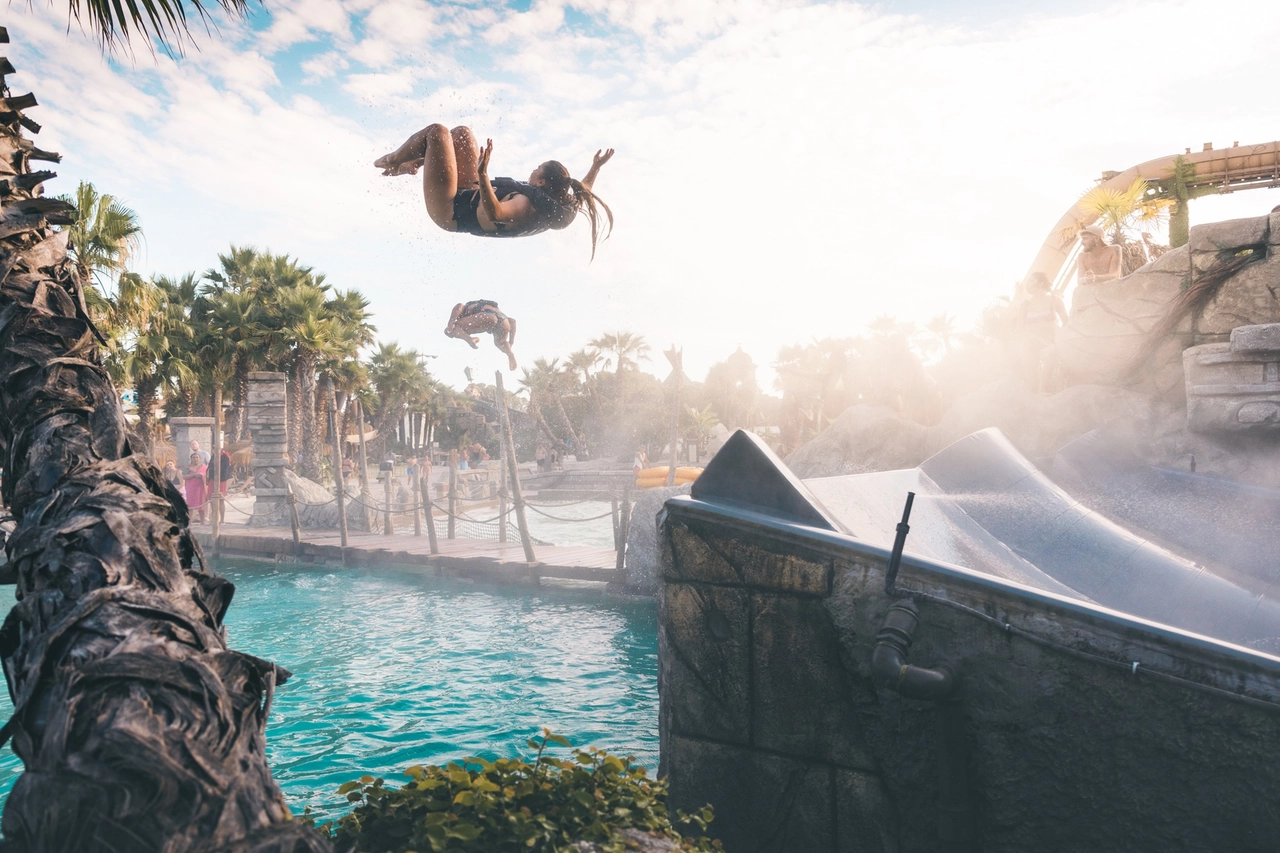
183,430
267,419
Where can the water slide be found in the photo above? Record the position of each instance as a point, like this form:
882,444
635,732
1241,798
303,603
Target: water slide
1152,543
1227,170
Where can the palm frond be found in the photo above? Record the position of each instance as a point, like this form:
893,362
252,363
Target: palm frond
166,22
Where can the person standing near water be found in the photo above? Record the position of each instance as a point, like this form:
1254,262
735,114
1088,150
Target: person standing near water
461,197
195,486
1039,315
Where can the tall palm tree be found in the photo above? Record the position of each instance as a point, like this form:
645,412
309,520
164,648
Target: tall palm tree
628,349
398,377
150,338
143,731
312,334
104,235
540,382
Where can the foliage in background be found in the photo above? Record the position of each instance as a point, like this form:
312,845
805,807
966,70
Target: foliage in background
1126,213
542,806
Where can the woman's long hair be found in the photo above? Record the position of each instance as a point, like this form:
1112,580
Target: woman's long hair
571,193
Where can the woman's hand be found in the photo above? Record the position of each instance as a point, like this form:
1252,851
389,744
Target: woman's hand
482,163
602,157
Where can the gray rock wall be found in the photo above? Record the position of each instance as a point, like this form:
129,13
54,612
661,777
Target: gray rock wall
1110,321
640,563
768,712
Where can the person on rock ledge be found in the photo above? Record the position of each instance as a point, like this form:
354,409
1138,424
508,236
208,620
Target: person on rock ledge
460,196
480,316
1098,262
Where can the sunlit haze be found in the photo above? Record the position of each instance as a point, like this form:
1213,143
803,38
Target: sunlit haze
784,170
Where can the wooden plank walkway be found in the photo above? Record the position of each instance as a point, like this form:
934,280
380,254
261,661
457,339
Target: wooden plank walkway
481,559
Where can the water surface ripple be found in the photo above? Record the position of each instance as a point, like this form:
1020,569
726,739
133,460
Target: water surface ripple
393,668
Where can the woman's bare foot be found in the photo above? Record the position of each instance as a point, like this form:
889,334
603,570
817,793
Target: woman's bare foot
511,361
392,169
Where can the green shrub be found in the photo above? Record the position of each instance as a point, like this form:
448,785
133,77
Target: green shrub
543,806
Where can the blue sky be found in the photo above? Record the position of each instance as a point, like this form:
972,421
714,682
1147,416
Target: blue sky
785,170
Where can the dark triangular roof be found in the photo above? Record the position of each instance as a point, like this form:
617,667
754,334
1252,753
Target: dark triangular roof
747,473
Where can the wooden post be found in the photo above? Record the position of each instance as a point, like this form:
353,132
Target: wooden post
424,488
415,490
453,492
502,475
293,518
624,528
388,525
675,431
365,493
513,468
364,460
339,481
216,458
676,357
503,509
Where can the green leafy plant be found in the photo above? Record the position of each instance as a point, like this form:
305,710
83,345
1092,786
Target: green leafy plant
544,806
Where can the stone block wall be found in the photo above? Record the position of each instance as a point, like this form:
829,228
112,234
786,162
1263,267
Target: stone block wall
183,431
268,426
769,713
756,712
1235,386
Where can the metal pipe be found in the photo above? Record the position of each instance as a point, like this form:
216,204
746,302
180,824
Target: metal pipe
889,667
895,558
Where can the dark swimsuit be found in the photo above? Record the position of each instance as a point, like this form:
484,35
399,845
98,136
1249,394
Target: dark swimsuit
486,306
549,214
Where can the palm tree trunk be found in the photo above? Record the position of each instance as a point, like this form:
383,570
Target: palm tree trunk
137,727
564,416
291,417
536,411
305,375
146,391
239,397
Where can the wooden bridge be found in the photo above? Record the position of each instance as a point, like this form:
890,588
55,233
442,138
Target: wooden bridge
479,559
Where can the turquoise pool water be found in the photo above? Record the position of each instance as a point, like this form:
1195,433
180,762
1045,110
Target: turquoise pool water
392,669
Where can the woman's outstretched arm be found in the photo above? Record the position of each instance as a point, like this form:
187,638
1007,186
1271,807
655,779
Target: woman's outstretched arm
602,157
507,212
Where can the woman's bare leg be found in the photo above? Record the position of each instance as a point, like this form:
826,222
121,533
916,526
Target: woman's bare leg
466,154
503,343
440,177
450,328
408,157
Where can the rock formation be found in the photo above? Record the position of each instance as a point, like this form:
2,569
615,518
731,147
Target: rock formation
1168,358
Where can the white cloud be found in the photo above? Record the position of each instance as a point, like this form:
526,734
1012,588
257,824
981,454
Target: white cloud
784,170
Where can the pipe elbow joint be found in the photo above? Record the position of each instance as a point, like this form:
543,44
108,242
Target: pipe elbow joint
889,667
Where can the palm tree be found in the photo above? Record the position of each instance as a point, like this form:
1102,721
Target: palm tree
148,695
942,333
580,363
150,335
398,377
115,24
312,334
103,236
540,382
1122,211
628,349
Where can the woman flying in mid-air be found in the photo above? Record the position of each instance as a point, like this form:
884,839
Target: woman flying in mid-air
461,197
